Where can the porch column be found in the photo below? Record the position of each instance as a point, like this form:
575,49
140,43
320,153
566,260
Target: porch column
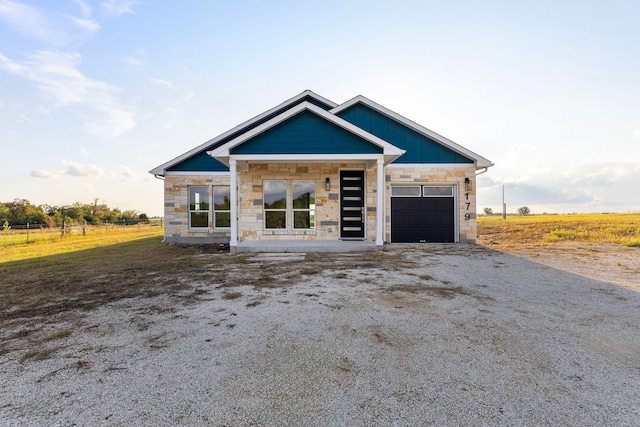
380,208
233,193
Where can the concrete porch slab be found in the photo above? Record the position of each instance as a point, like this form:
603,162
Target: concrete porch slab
306,246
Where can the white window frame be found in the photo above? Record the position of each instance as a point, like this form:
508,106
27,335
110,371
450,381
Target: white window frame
215,211
285,210
196,203
289,210
311,209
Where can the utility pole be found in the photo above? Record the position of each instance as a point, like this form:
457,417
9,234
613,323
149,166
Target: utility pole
504,205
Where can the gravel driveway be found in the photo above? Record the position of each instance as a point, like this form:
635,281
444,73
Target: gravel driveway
414,335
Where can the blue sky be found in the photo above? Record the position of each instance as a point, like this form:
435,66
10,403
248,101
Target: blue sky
93,94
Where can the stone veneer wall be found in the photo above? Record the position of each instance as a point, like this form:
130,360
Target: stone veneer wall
251,222
176,210
468,230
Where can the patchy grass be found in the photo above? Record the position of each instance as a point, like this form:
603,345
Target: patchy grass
231,295
621,229
38,354
311,270
60,334
444,292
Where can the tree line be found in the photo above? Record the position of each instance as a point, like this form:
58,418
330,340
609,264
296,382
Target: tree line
22,212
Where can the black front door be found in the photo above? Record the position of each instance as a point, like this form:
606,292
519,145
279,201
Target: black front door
352,213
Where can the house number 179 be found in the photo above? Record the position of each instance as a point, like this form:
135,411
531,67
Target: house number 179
467,215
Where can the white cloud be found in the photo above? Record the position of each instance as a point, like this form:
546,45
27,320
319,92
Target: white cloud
127,174
134,61
51,28
585,187
57,76
84,7
80,170
163,83
47,174
119,7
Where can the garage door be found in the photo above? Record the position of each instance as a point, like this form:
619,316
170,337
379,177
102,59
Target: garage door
421,214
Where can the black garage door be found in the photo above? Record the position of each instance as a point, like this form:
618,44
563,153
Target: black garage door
422,219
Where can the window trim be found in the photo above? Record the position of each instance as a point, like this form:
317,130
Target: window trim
285,210
214,210
310,209
190,211
289,210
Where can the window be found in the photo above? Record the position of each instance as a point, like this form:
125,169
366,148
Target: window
428,191
199,206
405,191
289,202
275,204
221,206
304,204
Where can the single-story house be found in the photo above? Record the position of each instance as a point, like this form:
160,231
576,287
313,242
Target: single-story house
312,170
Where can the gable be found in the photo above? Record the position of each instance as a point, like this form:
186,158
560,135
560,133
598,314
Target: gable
200,162
306,133
419,148
197,159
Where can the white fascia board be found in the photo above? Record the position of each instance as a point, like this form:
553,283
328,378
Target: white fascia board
304,158
222,153
479,160
193,173
432,165
160,170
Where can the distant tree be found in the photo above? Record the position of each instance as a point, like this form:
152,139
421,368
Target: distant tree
488,211
143,217
21,212
524,210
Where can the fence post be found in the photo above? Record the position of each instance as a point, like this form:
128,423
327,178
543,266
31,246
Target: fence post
27,232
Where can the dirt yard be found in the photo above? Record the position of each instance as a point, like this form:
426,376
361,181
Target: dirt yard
412,335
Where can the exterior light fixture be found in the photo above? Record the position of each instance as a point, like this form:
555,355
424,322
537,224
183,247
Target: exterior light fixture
467,184
327,184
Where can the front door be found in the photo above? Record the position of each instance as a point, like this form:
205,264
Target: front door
352,212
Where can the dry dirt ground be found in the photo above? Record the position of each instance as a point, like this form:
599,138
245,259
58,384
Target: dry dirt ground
412,335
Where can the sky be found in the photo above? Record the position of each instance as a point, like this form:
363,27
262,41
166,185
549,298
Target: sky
94,94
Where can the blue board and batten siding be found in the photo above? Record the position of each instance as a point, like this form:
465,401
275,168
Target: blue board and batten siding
306,133
202,162
419,148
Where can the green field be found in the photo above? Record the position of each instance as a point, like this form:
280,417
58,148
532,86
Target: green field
621,229
37,245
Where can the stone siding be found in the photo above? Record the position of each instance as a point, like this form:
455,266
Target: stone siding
467,228
250,212
176,210
250,181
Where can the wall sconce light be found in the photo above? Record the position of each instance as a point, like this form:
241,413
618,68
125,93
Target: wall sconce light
327,184
467,184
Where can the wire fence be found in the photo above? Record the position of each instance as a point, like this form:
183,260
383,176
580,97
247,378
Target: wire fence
29,233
